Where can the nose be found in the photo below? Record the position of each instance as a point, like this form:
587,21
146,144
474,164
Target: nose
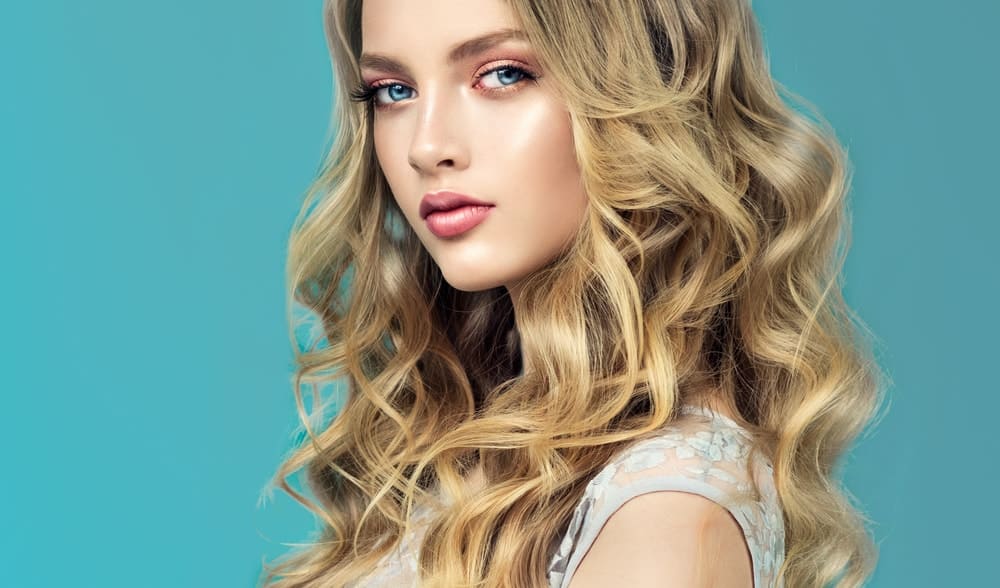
437,141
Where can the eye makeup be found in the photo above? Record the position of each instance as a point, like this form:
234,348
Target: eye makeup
365,92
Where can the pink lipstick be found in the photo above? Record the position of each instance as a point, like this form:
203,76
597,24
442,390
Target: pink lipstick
449,214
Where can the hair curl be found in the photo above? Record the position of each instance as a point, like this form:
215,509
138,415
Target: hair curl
708,266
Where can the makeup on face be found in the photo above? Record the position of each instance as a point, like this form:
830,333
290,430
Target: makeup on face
449,214
461,106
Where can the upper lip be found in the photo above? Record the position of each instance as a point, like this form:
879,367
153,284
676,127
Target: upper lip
446,200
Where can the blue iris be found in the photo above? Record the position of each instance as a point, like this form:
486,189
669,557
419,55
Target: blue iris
518,74
389,91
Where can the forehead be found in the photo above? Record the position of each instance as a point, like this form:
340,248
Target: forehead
394,26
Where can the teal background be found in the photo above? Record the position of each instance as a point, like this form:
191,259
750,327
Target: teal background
154,156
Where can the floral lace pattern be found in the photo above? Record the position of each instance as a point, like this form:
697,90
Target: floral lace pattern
706,455
703,452
399,568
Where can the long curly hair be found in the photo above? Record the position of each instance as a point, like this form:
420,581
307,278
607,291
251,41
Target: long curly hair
708,265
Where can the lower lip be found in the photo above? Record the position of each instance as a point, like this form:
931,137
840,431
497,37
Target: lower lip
454,222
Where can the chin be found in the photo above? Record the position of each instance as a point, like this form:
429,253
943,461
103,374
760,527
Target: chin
472,283
483,275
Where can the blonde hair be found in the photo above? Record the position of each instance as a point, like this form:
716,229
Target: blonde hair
708,265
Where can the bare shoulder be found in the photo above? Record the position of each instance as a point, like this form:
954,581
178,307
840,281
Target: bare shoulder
668,539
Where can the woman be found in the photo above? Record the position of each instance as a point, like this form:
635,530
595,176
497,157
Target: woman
578,264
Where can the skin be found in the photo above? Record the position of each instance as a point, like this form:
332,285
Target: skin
506,139
667,540
498,136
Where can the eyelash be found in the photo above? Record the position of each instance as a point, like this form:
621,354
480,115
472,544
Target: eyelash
366,93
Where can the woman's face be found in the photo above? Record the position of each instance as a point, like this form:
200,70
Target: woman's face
469,118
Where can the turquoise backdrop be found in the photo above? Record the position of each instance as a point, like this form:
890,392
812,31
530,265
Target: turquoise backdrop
154,156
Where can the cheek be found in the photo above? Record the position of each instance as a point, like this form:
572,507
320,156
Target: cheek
383,153
393,160
390,140
541,136
555,181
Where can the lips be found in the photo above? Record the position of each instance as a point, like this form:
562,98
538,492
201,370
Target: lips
446,200
454,222
449,214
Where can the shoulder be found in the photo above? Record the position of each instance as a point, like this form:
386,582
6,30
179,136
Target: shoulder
695,485
668,539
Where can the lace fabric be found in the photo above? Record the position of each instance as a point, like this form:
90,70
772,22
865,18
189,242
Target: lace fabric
703,452
706,454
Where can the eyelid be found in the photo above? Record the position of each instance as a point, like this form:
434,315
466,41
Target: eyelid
491,65
385,84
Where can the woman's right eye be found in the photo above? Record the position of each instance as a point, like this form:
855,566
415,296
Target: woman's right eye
394,93
368,93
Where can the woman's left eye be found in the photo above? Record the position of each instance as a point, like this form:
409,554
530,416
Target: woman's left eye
507,72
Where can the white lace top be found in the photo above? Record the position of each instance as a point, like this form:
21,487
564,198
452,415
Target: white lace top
703,452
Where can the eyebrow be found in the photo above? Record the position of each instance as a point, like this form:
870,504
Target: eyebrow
459,52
